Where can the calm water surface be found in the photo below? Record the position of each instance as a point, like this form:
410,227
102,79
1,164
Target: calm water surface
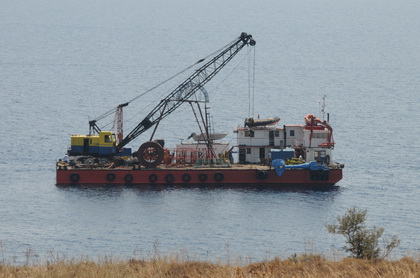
63,63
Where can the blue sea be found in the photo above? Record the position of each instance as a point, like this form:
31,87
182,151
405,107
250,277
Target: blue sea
63,63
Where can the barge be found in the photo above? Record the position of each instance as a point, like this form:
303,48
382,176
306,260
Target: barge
291,156
240,176
265,155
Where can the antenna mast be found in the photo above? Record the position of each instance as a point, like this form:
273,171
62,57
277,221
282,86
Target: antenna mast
322,108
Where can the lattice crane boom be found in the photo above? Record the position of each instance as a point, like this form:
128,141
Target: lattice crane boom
187,88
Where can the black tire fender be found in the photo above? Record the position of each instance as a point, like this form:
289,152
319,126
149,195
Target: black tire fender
110,177
153,178
186,177
169,178
261,175
128,178
74,177
218,176
202,177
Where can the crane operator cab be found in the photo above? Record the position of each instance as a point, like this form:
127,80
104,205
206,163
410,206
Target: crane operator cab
102,144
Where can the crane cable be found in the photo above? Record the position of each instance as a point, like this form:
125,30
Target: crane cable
222,81
233,70
216,87
253,83
181,72
112,111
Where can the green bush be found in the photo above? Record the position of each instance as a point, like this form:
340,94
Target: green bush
361,242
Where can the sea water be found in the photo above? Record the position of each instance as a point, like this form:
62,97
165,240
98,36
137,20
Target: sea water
63,63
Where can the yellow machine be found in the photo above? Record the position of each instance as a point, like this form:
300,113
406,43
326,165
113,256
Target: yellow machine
102,144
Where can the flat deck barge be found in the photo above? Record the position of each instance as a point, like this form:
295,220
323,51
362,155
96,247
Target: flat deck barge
234,176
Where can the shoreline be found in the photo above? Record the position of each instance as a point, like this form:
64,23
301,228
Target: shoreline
307,265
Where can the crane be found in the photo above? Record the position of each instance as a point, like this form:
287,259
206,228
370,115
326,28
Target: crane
150,154
312,123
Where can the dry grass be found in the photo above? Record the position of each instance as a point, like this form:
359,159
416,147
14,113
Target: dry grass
298,266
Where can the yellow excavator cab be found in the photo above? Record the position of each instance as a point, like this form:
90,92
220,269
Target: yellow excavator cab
103,143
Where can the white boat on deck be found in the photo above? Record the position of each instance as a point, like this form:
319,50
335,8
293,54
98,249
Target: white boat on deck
251,122
203,136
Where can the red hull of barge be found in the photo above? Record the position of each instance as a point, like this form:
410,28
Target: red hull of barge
221,177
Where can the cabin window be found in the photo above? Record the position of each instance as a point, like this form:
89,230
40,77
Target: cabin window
248,150
107,139
320,156
319,135
277,133
292,132
249,133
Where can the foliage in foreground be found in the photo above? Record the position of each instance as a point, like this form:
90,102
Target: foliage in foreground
362,242
298,266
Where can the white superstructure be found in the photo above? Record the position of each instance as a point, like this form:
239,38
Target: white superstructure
311,141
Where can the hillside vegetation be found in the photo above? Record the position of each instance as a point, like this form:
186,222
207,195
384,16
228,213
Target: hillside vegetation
297,266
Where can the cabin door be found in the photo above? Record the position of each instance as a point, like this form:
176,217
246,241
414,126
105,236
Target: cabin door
271,138
262,153
86,145
242,155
